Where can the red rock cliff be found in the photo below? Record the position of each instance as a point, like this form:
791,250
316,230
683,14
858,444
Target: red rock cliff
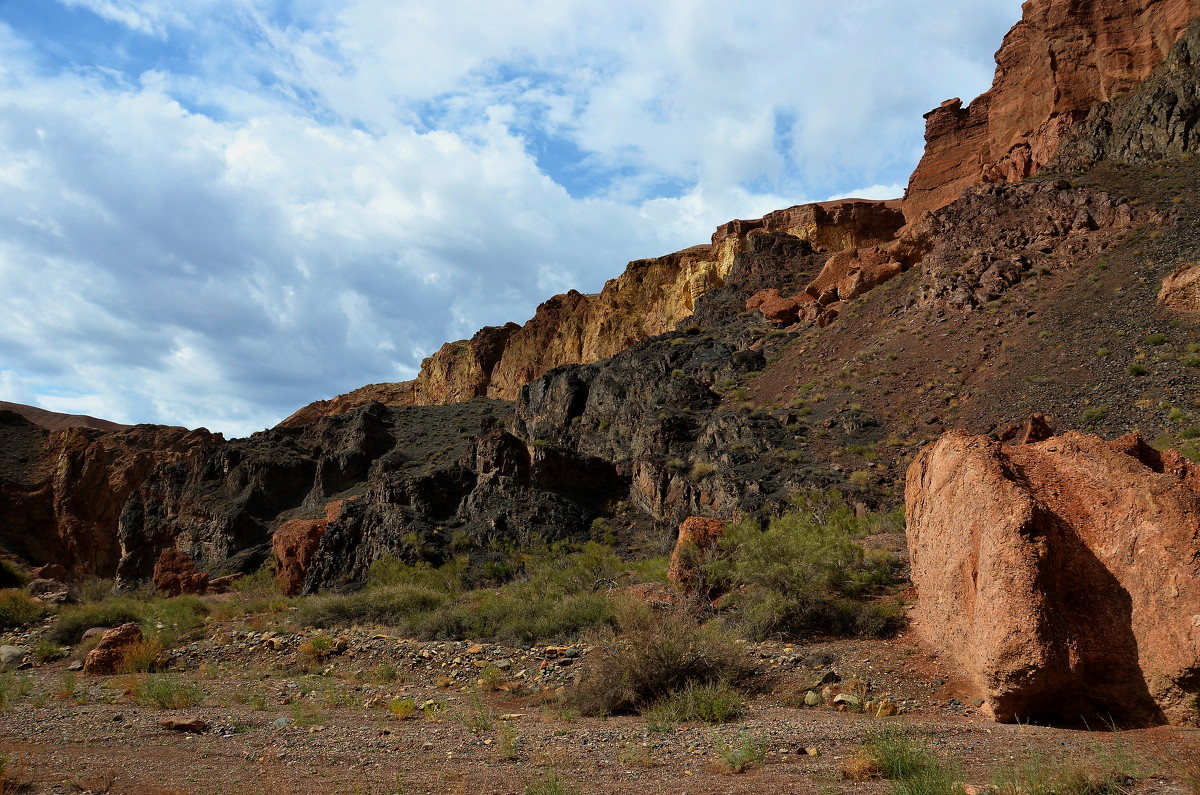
1062,58
61,492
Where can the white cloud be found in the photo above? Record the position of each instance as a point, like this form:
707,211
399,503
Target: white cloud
320,194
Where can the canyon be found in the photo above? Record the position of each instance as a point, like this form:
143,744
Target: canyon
1042,261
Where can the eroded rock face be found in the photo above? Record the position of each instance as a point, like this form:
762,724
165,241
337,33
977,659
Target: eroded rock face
651,297
295,543
108,655
61,492
1060,60
175,574
1158,120
400,481
1062,577
1181,290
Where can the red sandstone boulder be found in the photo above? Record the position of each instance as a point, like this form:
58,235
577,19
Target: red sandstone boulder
697,542
175,574
1181,290
295,543
1063,576
108,655
51,571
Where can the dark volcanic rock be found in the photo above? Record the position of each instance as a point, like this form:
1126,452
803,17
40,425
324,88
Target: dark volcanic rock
1159,119
412,480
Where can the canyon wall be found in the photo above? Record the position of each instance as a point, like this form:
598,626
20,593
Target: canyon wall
651,297
1060,60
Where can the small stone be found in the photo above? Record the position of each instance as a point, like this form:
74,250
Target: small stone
281,723
475,649
886,709
847,699
810,751
192,725
812,699
11,655
829,677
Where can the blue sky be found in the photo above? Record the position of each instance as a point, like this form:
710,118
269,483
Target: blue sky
213,212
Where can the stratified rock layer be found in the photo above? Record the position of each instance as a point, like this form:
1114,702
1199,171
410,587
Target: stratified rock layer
1060,60
1062,577
651,297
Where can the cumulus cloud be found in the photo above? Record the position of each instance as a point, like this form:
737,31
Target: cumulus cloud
231,208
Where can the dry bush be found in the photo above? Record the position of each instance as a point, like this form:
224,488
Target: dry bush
655,654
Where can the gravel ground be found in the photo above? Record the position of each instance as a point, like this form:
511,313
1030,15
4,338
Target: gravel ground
277,721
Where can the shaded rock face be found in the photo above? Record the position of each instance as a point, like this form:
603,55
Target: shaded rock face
1062,577
1060,60
404,481
1156,120
176,574
61,492
651,297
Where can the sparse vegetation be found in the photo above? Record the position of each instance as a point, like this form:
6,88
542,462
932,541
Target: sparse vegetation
18,609
739,755
166,692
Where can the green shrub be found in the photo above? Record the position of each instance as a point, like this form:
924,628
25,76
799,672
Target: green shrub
393,605
1156,339
799,576
1090,416
711,703
18,609
740,755
167,693
174,620
1137,369
12,575
47,651
655,654
911,766
72,622
447,578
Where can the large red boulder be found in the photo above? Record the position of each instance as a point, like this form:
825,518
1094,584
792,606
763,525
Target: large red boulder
698,540
295,543
108,655
1063,576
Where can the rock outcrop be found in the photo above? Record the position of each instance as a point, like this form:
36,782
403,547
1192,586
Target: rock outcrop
651,297
175,574
61,492
1060,60
295,543
110,652
1181,290
1157,120
403,481
698,539
1062,577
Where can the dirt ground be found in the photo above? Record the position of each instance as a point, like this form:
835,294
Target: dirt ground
280,722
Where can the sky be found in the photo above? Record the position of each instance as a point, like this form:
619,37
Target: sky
213,212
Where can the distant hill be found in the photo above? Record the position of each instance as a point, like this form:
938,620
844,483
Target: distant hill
54,421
